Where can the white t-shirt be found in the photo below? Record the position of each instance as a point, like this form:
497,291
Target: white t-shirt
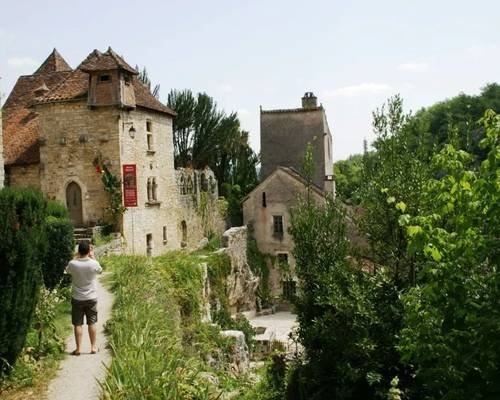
83,273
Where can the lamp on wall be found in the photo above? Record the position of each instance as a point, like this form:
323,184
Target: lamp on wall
131,131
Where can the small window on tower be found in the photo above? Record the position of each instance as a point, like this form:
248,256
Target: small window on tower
264,203
149,126
164,235
104,78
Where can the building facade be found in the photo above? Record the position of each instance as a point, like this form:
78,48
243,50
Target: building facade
65,128
285,134
267,210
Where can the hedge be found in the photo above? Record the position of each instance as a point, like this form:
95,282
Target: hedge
22,249
60,249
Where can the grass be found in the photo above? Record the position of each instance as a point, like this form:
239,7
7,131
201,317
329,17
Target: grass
31,373
161,349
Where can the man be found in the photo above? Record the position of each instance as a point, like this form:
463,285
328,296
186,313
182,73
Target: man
83,270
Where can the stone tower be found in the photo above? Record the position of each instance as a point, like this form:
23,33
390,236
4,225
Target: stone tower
285,133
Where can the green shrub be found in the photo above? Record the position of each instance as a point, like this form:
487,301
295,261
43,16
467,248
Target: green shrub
59,251
22,250
57,210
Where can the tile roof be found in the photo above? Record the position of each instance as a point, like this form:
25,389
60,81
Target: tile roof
97,61
20,122
55,81
53,63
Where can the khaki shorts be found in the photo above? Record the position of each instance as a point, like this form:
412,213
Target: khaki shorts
79,308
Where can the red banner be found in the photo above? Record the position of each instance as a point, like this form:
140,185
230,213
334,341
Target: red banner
129,185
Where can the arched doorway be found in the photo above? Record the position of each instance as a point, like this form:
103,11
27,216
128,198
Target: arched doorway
74,203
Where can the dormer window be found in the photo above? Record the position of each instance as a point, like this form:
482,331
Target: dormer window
104,78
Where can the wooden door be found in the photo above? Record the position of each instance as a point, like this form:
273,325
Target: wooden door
74,203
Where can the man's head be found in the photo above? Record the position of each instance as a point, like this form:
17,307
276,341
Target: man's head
83,249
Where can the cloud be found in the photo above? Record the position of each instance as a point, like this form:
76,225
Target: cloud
358,90
413,66
21,62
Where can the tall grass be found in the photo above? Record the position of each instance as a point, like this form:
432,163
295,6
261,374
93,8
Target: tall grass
156,306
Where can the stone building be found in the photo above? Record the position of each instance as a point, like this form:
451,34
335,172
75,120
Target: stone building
64,127
285,134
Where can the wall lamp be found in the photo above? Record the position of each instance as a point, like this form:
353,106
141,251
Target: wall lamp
131,131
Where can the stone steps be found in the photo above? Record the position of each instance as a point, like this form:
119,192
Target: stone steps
81,235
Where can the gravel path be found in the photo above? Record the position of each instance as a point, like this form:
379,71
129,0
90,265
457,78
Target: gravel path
77,377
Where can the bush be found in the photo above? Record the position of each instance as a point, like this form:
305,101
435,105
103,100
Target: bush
22,249
57,210
60,250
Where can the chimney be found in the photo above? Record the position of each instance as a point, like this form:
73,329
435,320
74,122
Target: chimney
309,100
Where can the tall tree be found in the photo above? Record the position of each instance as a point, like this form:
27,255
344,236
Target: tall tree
144,78
206,136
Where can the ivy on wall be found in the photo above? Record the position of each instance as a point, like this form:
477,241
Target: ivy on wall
113,186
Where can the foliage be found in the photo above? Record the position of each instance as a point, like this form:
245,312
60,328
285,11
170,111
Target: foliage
145,80
22,250
348,319
206,136
57,210
258,264
113,186
159,344
348,178
43,349
272,386
452,317
394,171
430,126
60,250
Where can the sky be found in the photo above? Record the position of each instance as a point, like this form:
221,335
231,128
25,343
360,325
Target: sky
352,54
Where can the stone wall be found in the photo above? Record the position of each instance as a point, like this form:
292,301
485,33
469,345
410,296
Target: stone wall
23,175
198,204
115,246
71,137
241,282
159,217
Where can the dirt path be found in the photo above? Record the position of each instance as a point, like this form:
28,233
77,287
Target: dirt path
77,377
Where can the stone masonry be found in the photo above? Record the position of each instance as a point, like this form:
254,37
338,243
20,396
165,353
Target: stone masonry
64,124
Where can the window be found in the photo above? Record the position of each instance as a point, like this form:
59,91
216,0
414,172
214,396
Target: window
289,289
149,244
149,139
155,188
283,258
152,188
264,204
278,225
149,126
164,235
126,79
104,78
